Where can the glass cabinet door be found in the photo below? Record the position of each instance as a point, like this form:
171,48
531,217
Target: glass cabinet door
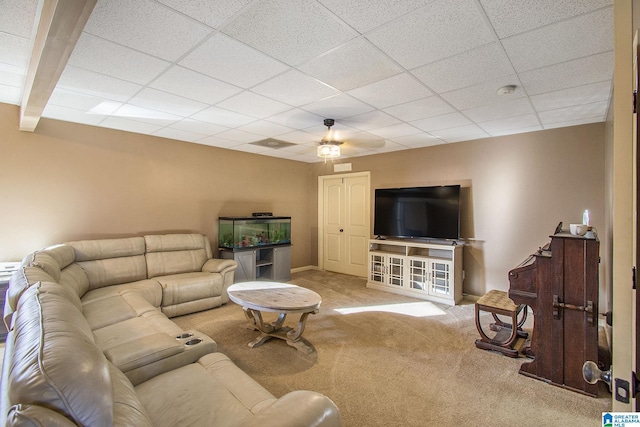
440,278
376,270
395,270
418,274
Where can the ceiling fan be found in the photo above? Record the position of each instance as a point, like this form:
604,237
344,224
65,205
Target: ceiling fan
329,145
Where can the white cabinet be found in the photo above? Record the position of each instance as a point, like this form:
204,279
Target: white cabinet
267,263
423,270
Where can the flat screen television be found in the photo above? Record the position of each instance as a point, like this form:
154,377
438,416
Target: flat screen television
418,212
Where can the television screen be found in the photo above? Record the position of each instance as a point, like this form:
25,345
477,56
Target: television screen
418,212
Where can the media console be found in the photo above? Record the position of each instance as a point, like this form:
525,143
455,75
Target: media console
430,271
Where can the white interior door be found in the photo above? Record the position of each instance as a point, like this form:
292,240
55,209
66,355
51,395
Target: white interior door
344,222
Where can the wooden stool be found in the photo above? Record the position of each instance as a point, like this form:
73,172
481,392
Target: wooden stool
498,303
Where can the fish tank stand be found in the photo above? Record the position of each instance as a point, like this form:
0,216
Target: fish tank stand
260,245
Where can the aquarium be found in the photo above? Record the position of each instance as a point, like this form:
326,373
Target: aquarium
248,232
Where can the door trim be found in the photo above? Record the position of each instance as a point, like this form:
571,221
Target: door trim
321,180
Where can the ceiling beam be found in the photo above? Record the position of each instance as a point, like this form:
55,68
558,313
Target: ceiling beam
59,24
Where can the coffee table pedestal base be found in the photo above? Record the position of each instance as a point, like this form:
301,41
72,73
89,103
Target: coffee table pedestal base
292,337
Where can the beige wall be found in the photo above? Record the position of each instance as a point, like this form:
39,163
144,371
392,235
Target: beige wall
516,190
67,181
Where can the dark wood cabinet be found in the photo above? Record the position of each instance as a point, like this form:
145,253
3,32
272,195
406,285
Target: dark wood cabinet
560,284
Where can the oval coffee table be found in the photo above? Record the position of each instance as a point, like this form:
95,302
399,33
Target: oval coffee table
283,298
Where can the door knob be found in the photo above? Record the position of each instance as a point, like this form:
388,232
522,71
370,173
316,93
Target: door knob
341,230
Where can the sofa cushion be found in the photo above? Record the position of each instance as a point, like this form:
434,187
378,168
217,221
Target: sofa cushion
19,282
175,253
90,250
47,263
114,271
213,391
76,278
36,416
179,288
55,363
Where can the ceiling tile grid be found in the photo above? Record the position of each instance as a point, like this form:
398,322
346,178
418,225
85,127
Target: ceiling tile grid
394,75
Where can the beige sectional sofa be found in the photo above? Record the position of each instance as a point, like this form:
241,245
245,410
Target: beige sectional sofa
91,342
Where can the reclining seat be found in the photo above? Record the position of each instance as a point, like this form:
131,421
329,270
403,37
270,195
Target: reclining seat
183,264
57,376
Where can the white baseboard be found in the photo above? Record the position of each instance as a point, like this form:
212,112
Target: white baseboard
305,268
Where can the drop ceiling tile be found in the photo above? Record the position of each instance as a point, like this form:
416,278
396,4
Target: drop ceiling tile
92,83
500,110
254,105
232,62
146,26
299,137
66,114
562,41
440,29
592,69
14,50
197,126
297,149
17,17
516,131
418,140
294,88
578,112
444,121
215,141
518,122
178,135
297,119
367,15
462,133
577,122
212,13
10,94
466,69
292,31
239,136
372,120
222,117
420,109
146,115
265,128
193,85
512,17
394,90
483,93
250,148
388,146
395,131
573,96
351,65
75,100
104,57
129,125
10,75
338,107
162,101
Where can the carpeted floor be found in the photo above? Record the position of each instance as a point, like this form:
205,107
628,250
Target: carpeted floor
382,368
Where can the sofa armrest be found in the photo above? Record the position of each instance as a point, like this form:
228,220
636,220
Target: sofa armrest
217,265
143,351
298,408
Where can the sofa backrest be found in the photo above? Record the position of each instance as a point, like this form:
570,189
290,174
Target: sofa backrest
56,364
43,265
176,253
109,262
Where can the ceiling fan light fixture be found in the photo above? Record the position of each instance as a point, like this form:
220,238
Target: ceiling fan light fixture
329,147
328,151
